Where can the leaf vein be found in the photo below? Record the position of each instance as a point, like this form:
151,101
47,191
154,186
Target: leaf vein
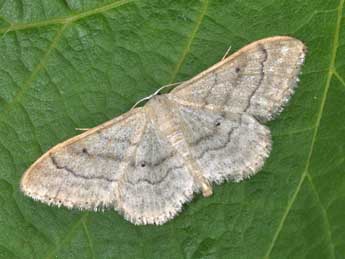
88,237
331,70
311,17
66,19
68,236
187,48
35,71
341,80
293,132
324,214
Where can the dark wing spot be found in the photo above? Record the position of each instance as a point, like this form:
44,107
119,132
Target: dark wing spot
218,123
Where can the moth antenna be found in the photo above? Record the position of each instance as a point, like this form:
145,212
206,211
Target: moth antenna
155,93
82,129
226,53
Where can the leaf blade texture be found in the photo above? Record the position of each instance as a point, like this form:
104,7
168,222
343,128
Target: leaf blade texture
75,64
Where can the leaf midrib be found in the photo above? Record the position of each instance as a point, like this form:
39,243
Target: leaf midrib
331,72
65,19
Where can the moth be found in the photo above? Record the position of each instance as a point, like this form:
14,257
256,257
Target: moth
151,160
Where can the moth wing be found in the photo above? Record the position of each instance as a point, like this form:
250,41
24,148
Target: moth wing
123,163
157,182
258,79
83,171
227,146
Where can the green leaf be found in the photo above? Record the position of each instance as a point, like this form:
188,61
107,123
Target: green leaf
67,64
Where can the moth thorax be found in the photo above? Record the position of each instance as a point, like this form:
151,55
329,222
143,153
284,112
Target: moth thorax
161,110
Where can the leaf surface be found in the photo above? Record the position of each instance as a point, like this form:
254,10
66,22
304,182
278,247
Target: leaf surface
74,64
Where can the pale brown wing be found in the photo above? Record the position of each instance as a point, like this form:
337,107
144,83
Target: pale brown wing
258,79
83,171
156,182
122,164
226,146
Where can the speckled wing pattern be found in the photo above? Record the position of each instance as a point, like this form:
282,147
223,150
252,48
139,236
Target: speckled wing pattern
227,146
83,172
258,79
148,162
123,164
